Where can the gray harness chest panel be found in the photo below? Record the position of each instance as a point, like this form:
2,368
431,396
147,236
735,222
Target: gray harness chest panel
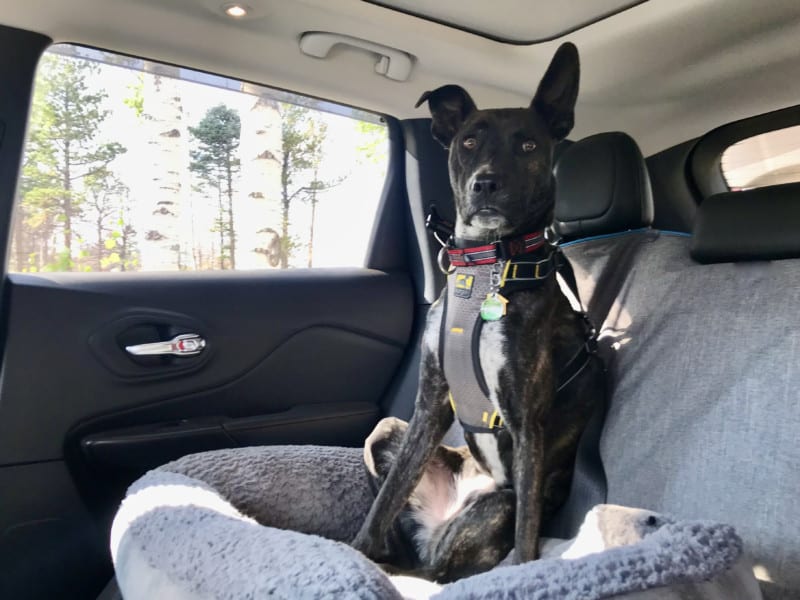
467,288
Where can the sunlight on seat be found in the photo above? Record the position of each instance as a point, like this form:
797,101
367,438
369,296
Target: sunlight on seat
762,573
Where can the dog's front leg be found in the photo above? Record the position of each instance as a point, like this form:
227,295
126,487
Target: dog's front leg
528,484
432,417
529,458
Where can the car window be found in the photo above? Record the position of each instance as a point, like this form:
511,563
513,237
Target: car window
767,159
132,165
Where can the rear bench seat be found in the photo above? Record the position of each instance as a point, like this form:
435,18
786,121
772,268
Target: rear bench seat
704,359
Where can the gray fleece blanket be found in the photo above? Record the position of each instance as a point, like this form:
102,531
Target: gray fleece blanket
270,522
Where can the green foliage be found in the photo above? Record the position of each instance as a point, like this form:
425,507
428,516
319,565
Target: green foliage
303,134
289,245
373,144
62,151
136,100
218,135
216,163
63,262
107,198
125,255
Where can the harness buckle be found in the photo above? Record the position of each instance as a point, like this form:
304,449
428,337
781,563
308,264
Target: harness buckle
591,334
438,226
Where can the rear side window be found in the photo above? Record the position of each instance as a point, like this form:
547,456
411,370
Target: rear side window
767,159
132,165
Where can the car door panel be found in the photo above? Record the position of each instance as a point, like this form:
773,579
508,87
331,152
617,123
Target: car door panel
50,544
275,341
292,357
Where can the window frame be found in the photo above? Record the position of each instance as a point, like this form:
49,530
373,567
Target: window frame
381,249
705,161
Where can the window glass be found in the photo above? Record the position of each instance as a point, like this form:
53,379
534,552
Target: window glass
767,159
132,165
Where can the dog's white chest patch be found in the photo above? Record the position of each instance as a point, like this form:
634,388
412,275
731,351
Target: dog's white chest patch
430,338
441,495
493,357
487,444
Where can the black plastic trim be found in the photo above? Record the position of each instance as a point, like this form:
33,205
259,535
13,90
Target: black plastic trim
705,160
675,197
387,249
147,446
21,51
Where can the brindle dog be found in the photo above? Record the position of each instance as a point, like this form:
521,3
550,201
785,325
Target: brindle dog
444,512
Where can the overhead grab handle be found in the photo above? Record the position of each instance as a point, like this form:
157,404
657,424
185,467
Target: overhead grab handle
393,63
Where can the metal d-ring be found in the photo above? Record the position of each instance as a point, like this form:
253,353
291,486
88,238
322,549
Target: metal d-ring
444,269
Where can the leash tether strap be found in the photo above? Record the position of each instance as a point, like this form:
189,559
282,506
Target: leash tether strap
589,483
589,486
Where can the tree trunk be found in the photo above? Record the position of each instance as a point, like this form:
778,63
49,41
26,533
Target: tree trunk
123,248
230,227
221,226
66,205
165,137
100,245
22,240
311,233
258,205
285,232
313,220
285,215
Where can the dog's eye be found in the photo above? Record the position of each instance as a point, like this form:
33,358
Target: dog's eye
470,143
528,146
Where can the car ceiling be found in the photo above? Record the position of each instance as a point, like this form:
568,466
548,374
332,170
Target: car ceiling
663,70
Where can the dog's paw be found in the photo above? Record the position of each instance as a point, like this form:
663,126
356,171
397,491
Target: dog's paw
369,546
524,555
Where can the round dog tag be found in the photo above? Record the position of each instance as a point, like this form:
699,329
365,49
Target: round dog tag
493,307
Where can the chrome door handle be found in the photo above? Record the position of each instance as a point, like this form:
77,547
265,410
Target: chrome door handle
187,344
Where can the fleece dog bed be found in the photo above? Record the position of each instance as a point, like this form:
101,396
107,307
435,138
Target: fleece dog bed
270,522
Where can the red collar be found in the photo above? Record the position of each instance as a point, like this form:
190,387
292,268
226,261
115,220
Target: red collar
500,250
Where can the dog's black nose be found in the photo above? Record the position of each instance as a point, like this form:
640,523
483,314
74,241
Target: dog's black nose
486,184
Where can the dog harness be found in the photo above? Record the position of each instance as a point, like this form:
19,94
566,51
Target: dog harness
480,281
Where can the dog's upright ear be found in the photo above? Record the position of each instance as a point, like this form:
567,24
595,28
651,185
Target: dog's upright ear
450,105
558,91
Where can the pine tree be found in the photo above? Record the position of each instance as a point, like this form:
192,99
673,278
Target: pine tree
108,203
216,163
127,250
63,149
302,136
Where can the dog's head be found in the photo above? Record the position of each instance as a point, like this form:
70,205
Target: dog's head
501,160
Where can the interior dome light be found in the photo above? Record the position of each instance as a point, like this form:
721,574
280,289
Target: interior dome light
237,11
